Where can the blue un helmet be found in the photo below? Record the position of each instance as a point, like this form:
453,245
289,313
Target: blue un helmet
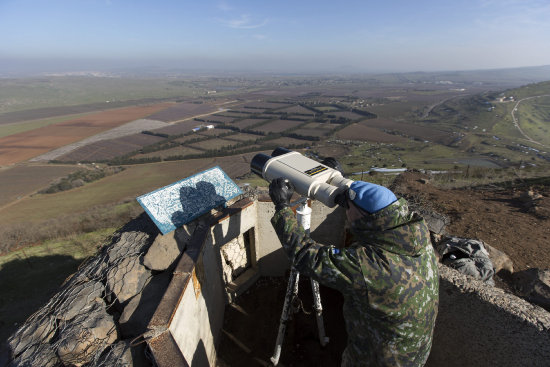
370,197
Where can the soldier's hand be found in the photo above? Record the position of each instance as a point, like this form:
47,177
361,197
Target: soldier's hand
280,192
332,163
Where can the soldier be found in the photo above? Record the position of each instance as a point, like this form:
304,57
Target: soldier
388,276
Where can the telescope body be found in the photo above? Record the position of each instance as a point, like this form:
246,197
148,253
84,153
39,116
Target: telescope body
309,177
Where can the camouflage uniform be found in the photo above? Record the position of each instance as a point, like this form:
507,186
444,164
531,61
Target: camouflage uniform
389,280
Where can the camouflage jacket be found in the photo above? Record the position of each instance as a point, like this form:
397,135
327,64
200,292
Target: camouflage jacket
389,279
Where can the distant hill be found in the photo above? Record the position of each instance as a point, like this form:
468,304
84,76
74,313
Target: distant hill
513,77
529,90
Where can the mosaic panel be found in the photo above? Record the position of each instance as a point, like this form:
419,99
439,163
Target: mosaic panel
176,204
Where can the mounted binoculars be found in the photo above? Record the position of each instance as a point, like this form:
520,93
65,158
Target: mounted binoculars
310,178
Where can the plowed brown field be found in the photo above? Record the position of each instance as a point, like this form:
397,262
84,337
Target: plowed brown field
20,147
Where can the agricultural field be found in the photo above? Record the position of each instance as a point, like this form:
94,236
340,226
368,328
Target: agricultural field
278,126
20,147
179,128
241,137
213,132
248,110
288,142
186,138
395,109
130,128
299,110
221,119
19,181
185,110
108,149
50,96
246,123
176,151
319,125
326,109
408,129
233,115
265,105
361,132
20,127
312,132
212,144
347,114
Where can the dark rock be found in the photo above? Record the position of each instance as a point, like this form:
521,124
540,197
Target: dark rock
86,336
128,244
37,332
501,261
139,310
80,299
42,355
534,285
94,268
436,222
127,278
122,354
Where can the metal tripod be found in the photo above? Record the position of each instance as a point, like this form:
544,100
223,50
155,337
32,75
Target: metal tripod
291,298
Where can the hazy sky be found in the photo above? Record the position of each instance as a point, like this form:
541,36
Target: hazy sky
282,35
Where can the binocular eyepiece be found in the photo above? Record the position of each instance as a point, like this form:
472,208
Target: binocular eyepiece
310,178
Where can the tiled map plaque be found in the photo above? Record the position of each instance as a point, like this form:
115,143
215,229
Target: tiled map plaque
181,202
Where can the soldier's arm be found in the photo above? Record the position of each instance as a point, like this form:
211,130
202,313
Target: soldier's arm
329,265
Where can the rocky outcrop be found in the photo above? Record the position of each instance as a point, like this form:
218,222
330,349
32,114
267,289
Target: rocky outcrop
86,336
501,261
127,278
534,286
99,310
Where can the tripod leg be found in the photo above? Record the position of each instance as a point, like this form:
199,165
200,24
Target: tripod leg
291,291
323,339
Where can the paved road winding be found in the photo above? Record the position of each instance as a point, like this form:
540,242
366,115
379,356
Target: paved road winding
516,121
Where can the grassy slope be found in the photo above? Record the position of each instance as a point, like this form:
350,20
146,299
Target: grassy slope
39,271
534,118
493,133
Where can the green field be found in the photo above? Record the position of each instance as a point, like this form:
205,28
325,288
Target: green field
19,127
534,119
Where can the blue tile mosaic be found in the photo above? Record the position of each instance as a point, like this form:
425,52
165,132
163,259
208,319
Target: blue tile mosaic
176,204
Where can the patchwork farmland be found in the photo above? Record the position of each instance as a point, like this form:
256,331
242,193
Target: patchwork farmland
186,110
184,130
277,126
20,147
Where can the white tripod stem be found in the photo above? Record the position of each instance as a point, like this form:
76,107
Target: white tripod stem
303,215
